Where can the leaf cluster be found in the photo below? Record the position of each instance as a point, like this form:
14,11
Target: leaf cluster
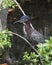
7,3
31,59
5,39
45,51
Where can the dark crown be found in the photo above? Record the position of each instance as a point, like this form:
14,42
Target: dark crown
25,17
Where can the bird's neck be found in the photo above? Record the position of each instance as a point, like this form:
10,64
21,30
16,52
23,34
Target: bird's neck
28,25
27,28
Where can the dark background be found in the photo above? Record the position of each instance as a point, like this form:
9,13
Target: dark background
40,12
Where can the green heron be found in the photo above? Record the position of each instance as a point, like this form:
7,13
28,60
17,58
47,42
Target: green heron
29,31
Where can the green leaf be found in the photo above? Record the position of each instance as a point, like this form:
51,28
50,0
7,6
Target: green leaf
8,3
5,39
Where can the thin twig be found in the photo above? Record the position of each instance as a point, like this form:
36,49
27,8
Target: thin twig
19,7
24,40
35,50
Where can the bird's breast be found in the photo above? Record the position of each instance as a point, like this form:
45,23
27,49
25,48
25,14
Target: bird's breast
27,31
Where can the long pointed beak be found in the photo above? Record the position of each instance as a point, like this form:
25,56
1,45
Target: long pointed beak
19,21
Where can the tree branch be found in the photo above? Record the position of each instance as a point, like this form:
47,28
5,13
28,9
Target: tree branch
19,7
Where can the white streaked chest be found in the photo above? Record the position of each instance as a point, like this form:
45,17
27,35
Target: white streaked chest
27,30
24,31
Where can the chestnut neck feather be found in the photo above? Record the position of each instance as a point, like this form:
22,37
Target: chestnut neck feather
28,27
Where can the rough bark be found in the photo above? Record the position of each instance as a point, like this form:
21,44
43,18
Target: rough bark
3,19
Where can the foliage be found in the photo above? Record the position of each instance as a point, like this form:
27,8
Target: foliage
7,3
31,59
5,39
45,51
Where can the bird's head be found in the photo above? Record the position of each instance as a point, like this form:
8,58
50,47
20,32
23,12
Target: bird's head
23,19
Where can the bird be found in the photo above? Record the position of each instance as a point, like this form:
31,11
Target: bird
29,31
